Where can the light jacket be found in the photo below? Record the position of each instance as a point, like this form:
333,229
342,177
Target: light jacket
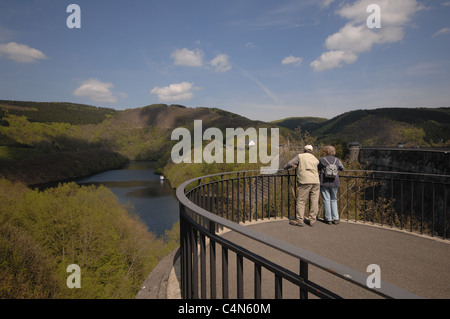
307,168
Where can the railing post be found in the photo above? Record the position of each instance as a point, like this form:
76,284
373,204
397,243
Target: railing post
257,279
278,287
238,210
202,266
212,260
444,234
244,199
289,195
183,252
240,276
224,273
194,270
186,254
303,278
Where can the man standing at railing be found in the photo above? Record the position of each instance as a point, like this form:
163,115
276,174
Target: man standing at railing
308,186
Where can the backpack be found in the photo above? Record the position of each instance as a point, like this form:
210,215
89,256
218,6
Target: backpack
331,171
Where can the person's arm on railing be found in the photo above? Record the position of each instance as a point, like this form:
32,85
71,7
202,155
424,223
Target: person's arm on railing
293,163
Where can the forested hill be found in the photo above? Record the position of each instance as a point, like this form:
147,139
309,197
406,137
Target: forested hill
307,124
56,112
383,126
42,142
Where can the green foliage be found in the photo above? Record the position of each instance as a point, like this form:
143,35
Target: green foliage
48,112
41,233
36,153
47,137
25,270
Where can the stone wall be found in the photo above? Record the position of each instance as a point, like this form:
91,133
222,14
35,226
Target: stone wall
425,161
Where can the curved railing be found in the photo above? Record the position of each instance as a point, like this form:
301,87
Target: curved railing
211,203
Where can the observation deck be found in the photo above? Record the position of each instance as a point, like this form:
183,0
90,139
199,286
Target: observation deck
236,240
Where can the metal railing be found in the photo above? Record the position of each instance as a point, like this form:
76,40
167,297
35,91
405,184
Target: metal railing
417,203
211,203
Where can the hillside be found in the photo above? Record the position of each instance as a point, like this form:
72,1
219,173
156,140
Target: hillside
384,126
42,232
37,146
145,133
56,112
308,124
43,142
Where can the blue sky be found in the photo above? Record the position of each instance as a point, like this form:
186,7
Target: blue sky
265,60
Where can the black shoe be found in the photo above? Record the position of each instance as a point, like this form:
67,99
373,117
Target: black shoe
336,222
309,223
328,222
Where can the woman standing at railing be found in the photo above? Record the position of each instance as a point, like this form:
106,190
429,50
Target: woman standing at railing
329,167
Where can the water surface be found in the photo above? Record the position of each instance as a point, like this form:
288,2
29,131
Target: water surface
152,198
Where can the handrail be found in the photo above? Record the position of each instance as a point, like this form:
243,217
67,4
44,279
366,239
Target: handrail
346,273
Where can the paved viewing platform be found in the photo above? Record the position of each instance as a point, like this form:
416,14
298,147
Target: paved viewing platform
413,262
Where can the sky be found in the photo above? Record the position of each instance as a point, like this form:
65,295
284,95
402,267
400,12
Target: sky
265,60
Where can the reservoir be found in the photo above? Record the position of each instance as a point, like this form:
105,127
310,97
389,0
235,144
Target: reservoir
153,199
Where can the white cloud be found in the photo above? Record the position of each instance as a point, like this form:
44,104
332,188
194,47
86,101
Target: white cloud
96,90
195,58
443,31
297,61
221,63
353,38
174,92
21,53
356,37
333,59
393,12
188,57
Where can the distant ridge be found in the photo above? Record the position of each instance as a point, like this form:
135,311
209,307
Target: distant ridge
57,112
382,126
305,123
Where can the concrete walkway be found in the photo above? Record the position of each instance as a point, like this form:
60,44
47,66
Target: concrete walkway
418,264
